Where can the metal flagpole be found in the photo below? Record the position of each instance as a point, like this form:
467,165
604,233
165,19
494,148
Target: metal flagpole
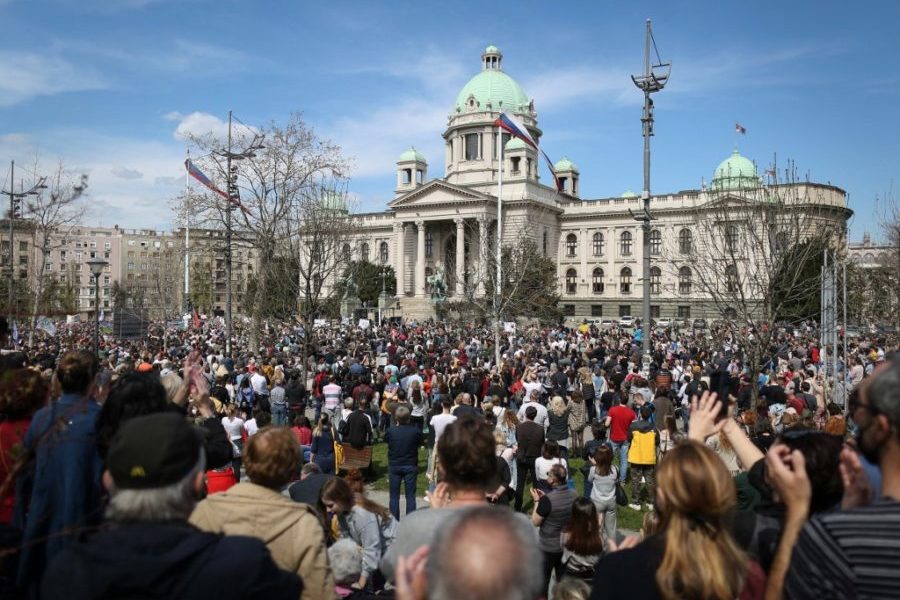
187,235
497,287
834,323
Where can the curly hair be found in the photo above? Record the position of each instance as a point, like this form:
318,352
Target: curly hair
272,457
466,454
22,393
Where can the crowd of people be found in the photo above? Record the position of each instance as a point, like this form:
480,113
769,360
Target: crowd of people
168,467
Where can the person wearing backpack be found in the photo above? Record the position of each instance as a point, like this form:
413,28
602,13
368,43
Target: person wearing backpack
643,441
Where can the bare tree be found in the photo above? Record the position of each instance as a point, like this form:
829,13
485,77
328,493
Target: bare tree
888,211
274,185
53,212
757,253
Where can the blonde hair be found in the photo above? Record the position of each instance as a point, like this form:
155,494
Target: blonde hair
558,406
695,493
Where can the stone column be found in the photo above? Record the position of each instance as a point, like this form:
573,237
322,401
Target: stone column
583,267
420,260
459,290
399,243
483,262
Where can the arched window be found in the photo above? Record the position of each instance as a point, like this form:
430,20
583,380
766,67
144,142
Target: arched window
571,281
731,238
597,281
625,243
571,245
731,279
655,242
429,272
598,244
685,241
429,244
364,252
346,254
625,281
684,280
383,252
655,280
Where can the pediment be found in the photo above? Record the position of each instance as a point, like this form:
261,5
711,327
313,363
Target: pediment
439,193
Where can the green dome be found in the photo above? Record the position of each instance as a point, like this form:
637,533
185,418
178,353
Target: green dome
629,194
412,155
494,86
564,164
515,144
735,172
334,201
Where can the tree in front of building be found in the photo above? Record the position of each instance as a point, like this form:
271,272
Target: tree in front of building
368,279
757,253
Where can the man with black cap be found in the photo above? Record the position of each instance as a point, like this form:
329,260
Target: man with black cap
155,476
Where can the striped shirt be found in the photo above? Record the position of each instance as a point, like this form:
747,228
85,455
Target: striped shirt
850,554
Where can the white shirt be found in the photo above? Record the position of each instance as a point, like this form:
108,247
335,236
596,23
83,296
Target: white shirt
540,419
233,427
250,427
258,383
542,466
439,423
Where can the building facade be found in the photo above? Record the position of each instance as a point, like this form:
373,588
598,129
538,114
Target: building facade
450,223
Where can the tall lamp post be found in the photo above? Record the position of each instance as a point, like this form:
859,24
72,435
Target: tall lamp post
96,265
653,79
15,212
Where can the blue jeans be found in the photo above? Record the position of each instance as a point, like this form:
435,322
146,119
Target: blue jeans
622,449
407,475
279,414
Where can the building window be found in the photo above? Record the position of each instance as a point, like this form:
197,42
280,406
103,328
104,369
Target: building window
598,244
346,253
23,246
731,239
364,251
684,280
654,311
107,245
429,244
625,243
731,279
596,310
545,242
571,245
597,281
514,163
569,310
655,280
571,281
685,241
625,281
655,242
624,310
472,146
131,266
383,252
684,312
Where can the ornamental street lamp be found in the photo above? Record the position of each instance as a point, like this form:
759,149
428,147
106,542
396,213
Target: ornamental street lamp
96,265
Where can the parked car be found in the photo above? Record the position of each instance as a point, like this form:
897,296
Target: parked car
626,321
664,323
699,323
607,323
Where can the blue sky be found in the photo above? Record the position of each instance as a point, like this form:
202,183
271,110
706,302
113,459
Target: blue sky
108,86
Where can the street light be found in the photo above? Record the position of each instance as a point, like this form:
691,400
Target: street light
96,265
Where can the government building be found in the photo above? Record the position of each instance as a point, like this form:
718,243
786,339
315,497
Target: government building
595,243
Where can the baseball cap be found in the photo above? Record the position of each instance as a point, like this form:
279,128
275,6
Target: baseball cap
153,451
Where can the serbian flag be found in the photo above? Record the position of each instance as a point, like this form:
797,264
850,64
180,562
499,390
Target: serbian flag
738,128
516,129
200,176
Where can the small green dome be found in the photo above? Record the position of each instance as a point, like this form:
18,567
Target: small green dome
629,194
412,155
735,172
335,201
515,144
493,86
564,164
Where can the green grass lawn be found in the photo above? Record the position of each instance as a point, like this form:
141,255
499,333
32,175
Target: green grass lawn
627,518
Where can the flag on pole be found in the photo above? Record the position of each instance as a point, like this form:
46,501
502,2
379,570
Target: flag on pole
200,176
516,129
15,332
738,128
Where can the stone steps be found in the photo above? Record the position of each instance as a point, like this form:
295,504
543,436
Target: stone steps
416,308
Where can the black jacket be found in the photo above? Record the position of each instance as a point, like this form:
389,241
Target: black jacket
166,560
357,430
530,437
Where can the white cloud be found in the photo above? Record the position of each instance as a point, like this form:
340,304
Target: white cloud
25,75
558,88
14,138
205,126
126,173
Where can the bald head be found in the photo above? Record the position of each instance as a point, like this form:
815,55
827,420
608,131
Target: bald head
485,553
